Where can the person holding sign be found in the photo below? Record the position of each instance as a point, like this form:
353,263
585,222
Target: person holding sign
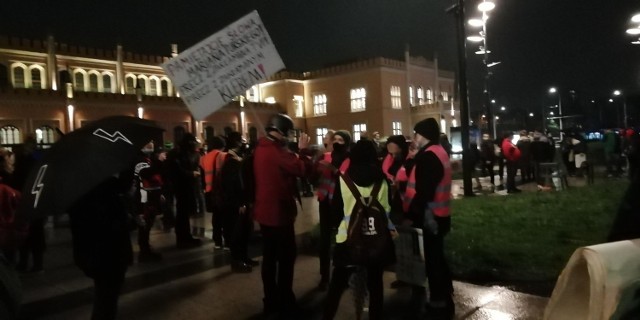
275,169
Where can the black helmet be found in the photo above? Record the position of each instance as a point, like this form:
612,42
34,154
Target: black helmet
281,123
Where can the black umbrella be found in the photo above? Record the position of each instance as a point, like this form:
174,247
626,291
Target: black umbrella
81,160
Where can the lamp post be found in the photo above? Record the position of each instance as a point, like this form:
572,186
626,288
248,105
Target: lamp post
553,90
624,105
484,7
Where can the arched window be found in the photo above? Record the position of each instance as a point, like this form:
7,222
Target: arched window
36,78
420,94
93,82
45,135
411,101
130,84
106,82
429,95
78,80
18,73
9,135
153,86
165,88
143,83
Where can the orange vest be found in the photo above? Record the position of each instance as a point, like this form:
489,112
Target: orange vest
327,183
207,162
440,204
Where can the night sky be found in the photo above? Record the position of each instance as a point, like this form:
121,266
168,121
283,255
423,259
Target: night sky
578,45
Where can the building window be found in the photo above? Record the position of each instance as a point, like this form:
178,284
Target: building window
93,82
45,135
9,135
429,95
298,106
271,100
18,77
36,78
358,99
165,88
319,105
130,84
396,97
445,96
320,133
358,129
106,83
420,94
411,101
252,94
78,80
153,86
396,128
209,133
143,84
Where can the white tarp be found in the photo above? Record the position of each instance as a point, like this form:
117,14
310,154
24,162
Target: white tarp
211,73
599,282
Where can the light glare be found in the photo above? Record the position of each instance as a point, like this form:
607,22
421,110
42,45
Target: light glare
475,38
486,6
476,22
633,31
636,18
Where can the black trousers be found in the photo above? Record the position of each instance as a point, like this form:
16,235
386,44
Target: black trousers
106,290
487,167
218,223
278,258
185,207
512,169
150,210
237,229
326,233
437,268
340,282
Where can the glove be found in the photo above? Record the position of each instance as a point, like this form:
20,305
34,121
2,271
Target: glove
430,223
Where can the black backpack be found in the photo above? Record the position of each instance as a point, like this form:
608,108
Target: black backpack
368,238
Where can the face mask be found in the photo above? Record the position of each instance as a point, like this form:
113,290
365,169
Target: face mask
338,147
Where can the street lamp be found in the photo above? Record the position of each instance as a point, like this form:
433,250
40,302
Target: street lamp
553,90
484,7
624,101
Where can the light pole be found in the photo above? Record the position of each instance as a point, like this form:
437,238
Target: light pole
553,90
624,105
484,7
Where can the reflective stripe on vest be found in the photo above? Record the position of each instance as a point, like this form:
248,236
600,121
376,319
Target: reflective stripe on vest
327,181
386,165
442,197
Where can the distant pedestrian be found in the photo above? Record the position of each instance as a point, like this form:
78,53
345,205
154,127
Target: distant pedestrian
275,169
211,164
524,163
185,177
488,157
511,155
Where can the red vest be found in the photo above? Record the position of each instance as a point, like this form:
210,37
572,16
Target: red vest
440,203
207,162
327,183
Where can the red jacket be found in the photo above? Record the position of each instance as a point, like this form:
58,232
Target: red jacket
510,151
275,169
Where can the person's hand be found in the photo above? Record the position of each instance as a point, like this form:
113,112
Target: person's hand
162,199
303,141
242,210
394,234
196,173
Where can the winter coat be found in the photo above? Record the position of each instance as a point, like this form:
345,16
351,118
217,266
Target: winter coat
275,170
510,152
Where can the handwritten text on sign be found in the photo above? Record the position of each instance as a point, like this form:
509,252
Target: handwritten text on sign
211,73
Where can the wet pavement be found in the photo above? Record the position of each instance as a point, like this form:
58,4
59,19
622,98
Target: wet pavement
198,284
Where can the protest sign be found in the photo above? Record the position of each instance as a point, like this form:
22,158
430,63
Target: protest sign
214,71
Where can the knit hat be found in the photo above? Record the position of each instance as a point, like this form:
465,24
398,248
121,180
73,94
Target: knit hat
234,139
346,136
428,128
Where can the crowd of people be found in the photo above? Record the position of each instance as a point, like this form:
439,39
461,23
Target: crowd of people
365,190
